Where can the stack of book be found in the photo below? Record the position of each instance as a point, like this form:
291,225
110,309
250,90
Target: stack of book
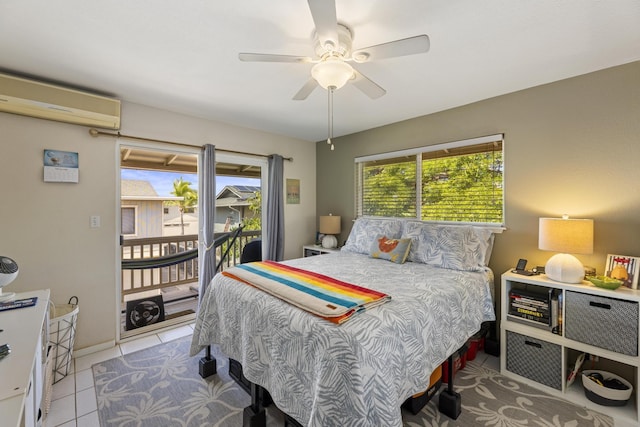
541,306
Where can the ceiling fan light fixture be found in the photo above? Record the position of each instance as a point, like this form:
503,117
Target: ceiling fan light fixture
332,72
361,57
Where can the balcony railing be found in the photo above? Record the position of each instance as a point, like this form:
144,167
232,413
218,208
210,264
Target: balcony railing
136,280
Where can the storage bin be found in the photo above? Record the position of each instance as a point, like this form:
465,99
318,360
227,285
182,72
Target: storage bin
535,359
476,344
459,363
603,322
62,333
416,402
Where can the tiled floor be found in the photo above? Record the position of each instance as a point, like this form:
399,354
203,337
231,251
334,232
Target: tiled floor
73,402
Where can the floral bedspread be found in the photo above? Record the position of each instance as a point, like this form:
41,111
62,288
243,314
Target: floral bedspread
358,373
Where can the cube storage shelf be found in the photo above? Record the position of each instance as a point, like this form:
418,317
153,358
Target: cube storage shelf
595,321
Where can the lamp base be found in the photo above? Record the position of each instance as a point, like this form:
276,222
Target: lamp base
329,241
564,268
7,296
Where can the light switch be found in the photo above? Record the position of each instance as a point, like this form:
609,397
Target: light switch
95,221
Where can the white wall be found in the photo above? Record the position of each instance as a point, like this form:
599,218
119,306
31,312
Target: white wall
45,226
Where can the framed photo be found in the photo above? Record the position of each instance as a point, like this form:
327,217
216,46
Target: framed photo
624,268
293,191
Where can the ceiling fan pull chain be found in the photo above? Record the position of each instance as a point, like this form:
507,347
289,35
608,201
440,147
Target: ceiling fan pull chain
330,120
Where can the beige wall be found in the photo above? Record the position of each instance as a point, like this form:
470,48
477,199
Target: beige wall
45,226
571,147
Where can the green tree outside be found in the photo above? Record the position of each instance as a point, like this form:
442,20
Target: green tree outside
255,206
182,188
464,188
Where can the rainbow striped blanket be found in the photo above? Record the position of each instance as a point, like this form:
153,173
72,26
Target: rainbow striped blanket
329,298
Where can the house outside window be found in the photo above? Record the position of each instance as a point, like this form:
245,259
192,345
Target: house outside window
459,182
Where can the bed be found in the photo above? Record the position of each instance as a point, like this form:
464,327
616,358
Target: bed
359,372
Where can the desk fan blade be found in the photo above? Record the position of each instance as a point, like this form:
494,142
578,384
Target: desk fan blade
403,47
325,19
306,90
266,57
366,85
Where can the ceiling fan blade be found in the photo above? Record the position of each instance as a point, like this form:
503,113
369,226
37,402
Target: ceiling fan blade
366,85
266,57
403,47
306,90
325,19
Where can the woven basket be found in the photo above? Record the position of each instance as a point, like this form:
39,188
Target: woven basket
62,333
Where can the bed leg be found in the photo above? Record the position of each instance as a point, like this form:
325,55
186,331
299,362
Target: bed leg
254,414
207,366
450,402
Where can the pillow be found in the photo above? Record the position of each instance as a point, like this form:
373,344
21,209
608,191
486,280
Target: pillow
394,250
365,231
457,247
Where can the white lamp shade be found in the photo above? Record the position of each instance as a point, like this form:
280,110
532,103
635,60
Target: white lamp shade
332,72
573,236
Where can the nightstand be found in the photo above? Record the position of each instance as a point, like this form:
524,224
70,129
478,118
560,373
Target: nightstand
311,250
546,325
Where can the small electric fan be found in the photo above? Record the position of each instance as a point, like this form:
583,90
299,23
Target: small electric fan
8,272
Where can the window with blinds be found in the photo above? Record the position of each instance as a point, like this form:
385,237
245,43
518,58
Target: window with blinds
459,182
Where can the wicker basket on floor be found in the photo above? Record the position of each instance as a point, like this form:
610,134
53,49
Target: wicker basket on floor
62,332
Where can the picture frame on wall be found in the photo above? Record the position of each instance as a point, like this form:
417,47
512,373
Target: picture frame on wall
293,191
623,267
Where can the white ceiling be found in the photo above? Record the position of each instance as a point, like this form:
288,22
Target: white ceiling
182,55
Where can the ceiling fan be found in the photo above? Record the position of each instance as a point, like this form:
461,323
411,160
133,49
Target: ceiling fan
332,42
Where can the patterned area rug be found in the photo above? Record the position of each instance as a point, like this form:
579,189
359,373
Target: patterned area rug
160,386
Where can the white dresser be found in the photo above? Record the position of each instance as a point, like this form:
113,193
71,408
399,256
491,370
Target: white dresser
26,330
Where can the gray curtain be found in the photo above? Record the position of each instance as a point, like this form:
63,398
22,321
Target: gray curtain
207,203
275,211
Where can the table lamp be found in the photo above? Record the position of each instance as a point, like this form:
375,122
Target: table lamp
329,226
567,236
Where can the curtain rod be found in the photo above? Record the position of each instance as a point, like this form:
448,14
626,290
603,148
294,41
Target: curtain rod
95,133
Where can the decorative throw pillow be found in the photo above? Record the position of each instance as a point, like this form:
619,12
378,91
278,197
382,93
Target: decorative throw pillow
364,232
394,250
457,247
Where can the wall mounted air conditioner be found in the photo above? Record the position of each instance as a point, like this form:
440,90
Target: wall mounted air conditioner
46,101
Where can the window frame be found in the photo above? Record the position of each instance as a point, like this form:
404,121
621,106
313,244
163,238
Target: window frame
135,219
418,154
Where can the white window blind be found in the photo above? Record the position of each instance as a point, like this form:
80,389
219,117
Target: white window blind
459,181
